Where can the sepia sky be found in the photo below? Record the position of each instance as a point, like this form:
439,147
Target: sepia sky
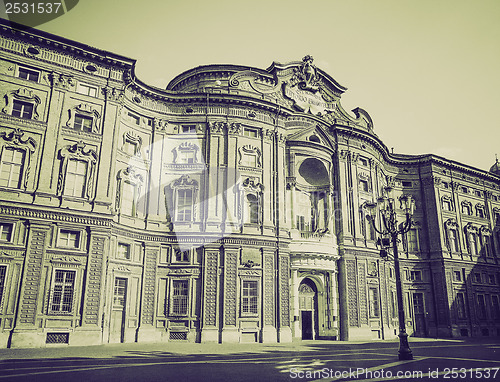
427,71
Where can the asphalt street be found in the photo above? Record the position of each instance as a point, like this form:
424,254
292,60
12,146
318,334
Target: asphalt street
434,360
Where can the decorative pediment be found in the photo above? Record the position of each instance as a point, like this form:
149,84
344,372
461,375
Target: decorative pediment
186,147
184,181
78,151
85,110
451,223
253,185
129,174
15,137
470,228
22,94
249,150
135,140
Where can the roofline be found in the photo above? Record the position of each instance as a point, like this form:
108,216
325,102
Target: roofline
38,35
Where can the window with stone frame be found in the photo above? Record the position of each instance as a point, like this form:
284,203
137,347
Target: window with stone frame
249,160
466,209
182,256
128,191
3,275
454,244
253,206
128,198
249,297
457,276
11,167
6,230
83,123
180,297
446,204
22,109
480,211
364,185
186,156
123,251
76,178
69,238
410,242
460,306
62,293
28,74
415,275
495,307
373,302
481,307
86,89
394,305
188,129
184,205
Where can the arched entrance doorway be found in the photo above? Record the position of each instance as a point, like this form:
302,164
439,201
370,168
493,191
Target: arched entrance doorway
308,307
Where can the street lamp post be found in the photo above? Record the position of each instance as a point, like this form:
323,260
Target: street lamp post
391,229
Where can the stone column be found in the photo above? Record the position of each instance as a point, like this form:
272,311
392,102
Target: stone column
269,333
27,332
90,331
284,332
296,330
147,331
230,331
210,326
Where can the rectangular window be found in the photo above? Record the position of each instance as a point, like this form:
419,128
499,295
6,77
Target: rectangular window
405,183
363,185
249,295
301,223
457,276
186,156
416,275
249,160
69,239
3,275
412,240
130,148
182,256
11,167
253,133
477,277
184,205
188,129
453,240
22,109
134,118
28,74
481,305
83,123
128,199
491,279
63,290
120,292
180,297
460,304
473,243
495,307
123,251
5,232
86,90
446,205
394,304
373,302
253,208
76,174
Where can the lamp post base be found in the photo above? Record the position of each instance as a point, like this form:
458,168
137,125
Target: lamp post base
404,348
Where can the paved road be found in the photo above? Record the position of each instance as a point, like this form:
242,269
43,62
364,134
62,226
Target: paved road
434,360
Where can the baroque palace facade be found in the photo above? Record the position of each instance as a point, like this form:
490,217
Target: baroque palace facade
225,208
